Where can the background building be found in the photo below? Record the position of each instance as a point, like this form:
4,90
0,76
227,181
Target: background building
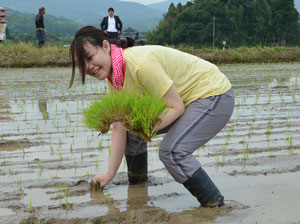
140,38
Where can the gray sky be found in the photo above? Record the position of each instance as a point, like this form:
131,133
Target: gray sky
145,2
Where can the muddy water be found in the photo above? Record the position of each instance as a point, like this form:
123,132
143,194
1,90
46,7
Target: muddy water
48,157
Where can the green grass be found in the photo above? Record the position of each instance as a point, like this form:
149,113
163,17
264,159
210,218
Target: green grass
138,114
26,55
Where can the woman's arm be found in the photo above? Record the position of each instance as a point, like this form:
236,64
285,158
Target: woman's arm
176,108
118,144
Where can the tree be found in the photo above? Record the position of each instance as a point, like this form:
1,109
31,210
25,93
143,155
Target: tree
263,21
239,22
285,24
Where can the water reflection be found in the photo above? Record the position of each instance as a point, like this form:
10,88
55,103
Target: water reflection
137,196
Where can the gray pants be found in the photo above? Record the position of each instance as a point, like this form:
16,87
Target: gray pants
202,120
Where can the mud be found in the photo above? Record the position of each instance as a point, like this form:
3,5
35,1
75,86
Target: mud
48,158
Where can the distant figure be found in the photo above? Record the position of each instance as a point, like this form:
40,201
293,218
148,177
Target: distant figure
111,25
39,24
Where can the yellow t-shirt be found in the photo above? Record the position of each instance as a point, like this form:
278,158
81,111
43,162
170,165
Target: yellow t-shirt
154,69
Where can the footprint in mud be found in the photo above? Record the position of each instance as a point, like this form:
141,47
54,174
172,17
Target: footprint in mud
81,183
92,186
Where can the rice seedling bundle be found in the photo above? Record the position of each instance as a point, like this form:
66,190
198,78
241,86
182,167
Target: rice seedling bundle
138,114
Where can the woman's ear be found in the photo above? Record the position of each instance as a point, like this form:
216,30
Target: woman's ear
106,46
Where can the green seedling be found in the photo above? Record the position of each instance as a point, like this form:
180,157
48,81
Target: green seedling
100,144
71,147
97,163
228,134
217,159
223,148
66,197
249,134
10,170
60,156
245,143
270,122
51,149
291,141
40,166
20,188
139,114
293,95
108,196
81,155
54,176
257,97
30,205
88,173
245,155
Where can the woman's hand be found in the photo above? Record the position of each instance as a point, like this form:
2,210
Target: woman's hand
103,180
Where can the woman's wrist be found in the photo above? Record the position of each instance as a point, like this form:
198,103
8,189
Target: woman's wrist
110,175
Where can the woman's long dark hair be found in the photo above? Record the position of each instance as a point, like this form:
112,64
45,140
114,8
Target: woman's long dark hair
94,36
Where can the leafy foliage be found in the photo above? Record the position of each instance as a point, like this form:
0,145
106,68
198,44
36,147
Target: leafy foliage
138,114
239,23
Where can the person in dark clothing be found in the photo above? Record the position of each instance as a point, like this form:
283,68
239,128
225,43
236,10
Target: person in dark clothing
111,25
39,24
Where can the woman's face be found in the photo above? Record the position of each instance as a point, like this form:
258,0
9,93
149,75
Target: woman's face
98,60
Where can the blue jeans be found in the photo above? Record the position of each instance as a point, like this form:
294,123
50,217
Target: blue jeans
40,35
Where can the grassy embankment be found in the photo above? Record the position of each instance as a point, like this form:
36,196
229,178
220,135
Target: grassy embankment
27,55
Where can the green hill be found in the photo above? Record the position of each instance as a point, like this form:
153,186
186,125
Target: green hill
25,23
91,12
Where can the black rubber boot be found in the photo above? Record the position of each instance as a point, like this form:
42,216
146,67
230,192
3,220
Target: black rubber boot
137,167
202,187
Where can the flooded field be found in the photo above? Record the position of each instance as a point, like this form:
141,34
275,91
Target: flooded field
47,156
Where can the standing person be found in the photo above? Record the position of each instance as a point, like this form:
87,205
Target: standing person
199,98
39,24
111,25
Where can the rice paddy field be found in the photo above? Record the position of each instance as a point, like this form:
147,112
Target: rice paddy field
48,157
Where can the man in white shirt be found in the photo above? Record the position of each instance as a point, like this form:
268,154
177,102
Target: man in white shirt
111,25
